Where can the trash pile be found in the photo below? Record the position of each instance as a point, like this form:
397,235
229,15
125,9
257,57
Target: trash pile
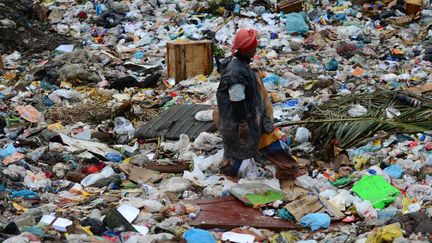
104,140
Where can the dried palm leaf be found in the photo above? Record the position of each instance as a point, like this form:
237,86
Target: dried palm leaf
332,121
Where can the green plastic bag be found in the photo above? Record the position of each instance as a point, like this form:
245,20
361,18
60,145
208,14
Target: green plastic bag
296,23
376,190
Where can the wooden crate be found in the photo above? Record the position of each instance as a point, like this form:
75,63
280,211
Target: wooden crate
186,59
291,6
412,7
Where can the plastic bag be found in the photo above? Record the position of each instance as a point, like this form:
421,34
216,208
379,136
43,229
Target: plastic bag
394,171
211,161
204,116
93,178
302,135
198,236
332,65
376,189
365,210
357,111
123,126
316,221
207,141
296,23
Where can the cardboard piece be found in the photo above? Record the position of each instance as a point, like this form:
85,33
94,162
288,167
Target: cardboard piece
313,204
304,205
138,174
419,89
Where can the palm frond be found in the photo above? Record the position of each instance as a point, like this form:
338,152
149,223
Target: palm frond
331,120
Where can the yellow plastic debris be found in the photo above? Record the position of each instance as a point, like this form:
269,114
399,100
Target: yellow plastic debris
127,160
359,162
406,201
385,234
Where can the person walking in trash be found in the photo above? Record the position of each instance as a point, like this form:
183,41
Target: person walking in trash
240,105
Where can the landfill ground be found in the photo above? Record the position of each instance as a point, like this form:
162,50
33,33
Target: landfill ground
107,131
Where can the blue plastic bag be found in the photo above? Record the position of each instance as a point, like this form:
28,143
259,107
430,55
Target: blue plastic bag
315,221
114,157
332,65
7,151
26,194
271,78
296,23
198,236
394,171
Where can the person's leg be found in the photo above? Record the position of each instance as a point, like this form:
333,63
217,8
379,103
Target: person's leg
230,166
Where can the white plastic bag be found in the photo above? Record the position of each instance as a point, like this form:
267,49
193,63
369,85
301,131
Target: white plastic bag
365,210
357,111
204,116
207,141
302,135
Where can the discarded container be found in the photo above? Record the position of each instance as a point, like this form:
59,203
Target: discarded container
291,6
187,59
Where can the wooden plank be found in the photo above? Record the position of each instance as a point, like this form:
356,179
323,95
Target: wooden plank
228,213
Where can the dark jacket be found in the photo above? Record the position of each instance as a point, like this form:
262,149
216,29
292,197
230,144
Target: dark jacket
234,71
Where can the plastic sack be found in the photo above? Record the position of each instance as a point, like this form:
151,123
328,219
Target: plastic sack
195,174
386,233
316,221
93,178
26,194
123,126
357,111
365,210
204,116
114,157
394,171
302,135
248,169
296,23
206,141
332,65
198,236
205,163
8,150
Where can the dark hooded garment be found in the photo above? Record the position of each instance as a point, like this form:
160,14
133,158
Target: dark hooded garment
236,70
